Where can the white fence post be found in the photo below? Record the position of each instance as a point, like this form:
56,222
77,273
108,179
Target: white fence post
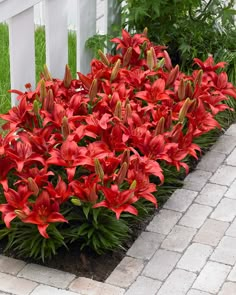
86,27
112,14
22,53
56,36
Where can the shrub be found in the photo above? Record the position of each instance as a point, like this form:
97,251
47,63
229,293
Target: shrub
82,156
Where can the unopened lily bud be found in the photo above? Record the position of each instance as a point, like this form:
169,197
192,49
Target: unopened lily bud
122,173
168,120
150,62
36,107
115,70
160,126
93,194
184,109
168,63
198,79
75,201
98,169
222,80
20,214
189,90
118,110
67,77
33,186
154,57
161,63
43,90
128,112
172,75
48,103
193,105
46,73
103,57
85,80
133,184
181,90
145,32
93,89
127,56
126,157
65,129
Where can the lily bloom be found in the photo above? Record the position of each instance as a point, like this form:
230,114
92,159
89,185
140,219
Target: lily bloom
70,155
44,212
208,64
118,201
16,202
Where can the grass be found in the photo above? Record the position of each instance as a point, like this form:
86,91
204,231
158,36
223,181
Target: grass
40,59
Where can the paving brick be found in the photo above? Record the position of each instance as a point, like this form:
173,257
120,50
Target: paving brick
143,286
195,216
232,275
46,275
47,290
231,231
231,159
212,277
180,200
87,286
178,282
17,286
197,292
126,272
225,252
225,144
196,180
195,257
164,221
231,192
228,289
225,210
211,194
179,238
10,265
211,161
211,232
224,175
3,293
161,264
231,130
146,245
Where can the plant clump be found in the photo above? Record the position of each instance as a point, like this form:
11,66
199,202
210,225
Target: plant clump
81,157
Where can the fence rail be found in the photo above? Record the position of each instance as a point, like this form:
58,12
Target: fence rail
20,17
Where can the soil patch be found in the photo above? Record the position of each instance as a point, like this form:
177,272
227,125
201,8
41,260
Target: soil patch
86,263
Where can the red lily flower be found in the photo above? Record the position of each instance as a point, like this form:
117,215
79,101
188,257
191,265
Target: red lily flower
16,201
18,116
44,212
60,193
208,65
118,201
21,153
6,165
85,189
70,155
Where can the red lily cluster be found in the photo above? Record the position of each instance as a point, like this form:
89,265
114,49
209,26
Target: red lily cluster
102,135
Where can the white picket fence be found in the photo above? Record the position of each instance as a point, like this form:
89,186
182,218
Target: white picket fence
20,16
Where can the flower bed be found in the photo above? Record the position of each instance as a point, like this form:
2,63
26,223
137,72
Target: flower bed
81,158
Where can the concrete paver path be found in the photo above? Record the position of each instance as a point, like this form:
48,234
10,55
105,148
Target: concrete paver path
189,248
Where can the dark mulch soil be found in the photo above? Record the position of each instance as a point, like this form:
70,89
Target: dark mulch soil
86,263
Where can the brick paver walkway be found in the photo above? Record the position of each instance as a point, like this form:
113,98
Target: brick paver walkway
189,248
